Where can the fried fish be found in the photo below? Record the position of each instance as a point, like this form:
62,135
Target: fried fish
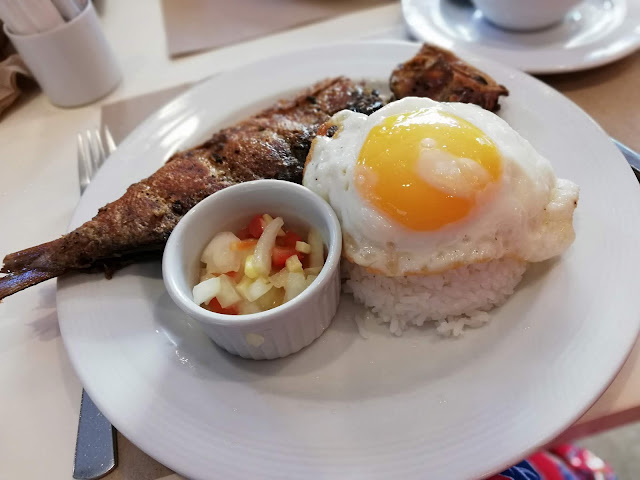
272,144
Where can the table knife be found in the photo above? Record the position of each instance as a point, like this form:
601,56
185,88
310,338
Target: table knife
96,443
632,157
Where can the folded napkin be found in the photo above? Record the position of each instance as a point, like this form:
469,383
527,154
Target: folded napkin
193,25
11,67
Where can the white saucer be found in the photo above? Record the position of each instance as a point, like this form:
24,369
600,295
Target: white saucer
594,33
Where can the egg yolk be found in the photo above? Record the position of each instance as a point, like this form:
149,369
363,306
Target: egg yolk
424,169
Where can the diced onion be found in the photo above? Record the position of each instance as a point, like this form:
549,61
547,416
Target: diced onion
220,256
252,290
279,279
227,295
268,219
296,284
243,286
312,270
258,288
293,264
245,308
205,291
266,242
316,257
310,279
303,247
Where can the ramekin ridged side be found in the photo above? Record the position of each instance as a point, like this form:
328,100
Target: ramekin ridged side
303,324
285,329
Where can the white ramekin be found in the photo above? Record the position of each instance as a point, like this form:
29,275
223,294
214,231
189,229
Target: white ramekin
283,330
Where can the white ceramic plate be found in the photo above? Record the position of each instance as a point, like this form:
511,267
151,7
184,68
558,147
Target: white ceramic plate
418,406
594,33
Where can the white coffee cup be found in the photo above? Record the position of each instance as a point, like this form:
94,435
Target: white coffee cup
525,14
73,63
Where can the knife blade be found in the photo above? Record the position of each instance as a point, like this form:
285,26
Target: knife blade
96,453
632,157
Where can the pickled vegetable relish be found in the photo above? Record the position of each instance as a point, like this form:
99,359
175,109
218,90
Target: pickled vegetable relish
258,268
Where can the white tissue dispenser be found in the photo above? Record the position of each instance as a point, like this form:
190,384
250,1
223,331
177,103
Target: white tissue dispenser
73,63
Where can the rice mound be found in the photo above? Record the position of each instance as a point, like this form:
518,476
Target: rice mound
454,300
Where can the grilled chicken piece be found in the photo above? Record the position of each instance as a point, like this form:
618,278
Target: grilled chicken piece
272,144
438,74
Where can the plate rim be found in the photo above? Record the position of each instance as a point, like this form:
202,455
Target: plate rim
180,99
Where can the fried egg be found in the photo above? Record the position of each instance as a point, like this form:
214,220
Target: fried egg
423,187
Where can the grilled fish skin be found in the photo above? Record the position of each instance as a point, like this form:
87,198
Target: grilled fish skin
440,75
271,144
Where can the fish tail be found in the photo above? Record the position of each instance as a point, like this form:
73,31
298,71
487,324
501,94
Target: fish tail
14,282
28,267
30,258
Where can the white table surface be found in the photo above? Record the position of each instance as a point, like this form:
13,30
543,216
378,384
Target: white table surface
40,397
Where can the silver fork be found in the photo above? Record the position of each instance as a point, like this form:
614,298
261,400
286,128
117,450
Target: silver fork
94,147
95,454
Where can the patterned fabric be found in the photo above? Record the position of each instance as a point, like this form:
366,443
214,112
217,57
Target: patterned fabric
584,464
563,462
522,471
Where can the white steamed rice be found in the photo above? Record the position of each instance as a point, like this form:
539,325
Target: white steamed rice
454,300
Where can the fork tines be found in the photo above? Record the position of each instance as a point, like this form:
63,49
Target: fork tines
94,147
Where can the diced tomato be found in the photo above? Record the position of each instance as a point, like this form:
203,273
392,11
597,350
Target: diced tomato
279,255
247,244
214,306
244,234
289,240
232,275
256,226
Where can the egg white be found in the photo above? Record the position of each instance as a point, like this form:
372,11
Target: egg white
527,214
